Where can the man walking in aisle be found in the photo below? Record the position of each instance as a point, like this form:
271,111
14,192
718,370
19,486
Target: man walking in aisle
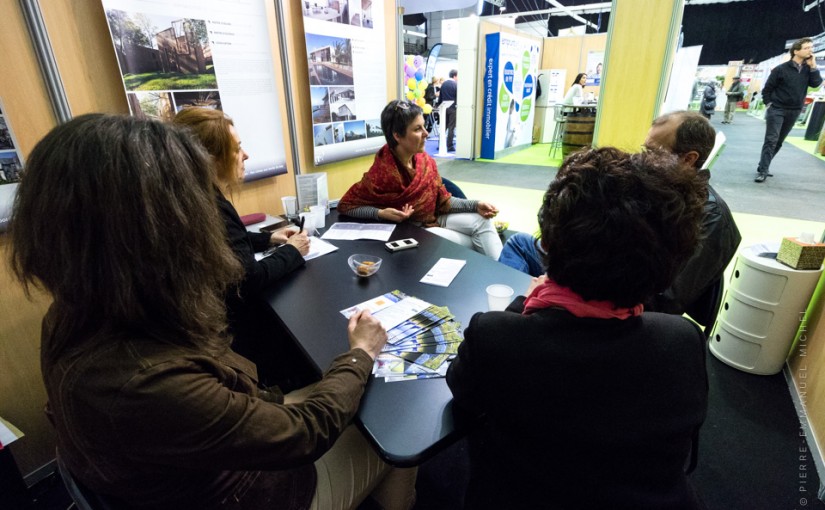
449,92
784,95
735,93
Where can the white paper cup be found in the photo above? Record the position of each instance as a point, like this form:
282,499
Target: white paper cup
309,222
498,296
320,213
290,206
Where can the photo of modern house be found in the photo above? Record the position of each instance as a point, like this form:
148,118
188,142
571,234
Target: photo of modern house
354,130
157,53
374,128
319,99
10,167
338,132
342,103
323,134
336,11
6,141
329,60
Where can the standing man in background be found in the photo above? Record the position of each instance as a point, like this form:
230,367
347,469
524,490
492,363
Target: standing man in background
784,95
449,92
735,93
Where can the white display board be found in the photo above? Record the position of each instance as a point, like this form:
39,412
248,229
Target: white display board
680,84
206,53
347,63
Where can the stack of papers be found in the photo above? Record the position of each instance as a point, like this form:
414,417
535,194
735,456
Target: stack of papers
422,338
352,231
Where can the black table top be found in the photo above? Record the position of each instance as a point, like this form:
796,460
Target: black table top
408,421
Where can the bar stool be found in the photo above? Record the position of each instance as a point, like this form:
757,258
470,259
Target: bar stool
558,131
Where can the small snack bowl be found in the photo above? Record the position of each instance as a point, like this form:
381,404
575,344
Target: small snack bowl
364,265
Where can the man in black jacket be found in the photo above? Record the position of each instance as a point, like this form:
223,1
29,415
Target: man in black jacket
449,92
784,95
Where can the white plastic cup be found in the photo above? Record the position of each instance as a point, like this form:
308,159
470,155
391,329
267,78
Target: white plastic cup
320,213
290,204
498,296
309,222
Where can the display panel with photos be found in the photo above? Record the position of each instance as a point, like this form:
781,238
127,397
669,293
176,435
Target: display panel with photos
207,54
11,168
346,61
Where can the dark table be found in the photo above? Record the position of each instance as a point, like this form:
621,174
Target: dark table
407,421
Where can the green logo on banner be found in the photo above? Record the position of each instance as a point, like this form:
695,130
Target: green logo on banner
503,99
526,105
525,64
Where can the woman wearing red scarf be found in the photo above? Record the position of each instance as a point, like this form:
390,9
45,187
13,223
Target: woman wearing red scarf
403,184
586,400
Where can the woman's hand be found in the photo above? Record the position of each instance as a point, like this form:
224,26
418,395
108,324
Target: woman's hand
367,333
281,235
486,210
394,215
539,280
300,241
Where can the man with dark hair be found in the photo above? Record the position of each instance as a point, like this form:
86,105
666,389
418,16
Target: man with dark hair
784,95
449,92
690,137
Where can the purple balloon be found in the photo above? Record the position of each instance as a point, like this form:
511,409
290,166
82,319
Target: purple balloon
409,70
418,61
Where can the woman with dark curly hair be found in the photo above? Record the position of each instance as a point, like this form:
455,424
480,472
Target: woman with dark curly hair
595,402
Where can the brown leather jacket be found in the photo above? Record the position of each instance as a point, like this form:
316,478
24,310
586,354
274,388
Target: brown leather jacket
157,425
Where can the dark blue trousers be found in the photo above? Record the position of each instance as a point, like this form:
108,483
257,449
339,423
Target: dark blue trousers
778,123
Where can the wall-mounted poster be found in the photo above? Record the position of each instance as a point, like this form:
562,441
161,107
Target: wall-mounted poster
346,57
202,53
595,63
11,167
511,67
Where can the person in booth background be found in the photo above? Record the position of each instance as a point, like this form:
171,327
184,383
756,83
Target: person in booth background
449,92
151,407
575,95
574,384
255,335
403,184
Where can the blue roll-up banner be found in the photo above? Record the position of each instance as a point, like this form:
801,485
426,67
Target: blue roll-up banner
488,134
511,66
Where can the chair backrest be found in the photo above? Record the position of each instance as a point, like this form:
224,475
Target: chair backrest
453,188
558,112
706,308
718,146
83,497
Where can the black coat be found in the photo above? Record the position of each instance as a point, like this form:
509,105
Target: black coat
708,101
580,413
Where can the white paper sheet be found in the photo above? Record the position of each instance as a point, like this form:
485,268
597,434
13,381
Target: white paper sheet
443,272
353,231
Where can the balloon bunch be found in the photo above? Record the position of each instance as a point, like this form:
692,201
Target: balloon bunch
416,84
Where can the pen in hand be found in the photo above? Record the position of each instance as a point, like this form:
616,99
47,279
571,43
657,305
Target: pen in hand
301,228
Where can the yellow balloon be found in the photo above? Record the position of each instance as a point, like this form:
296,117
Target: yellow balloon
410,95
428,109
411,84
422,85
420,102
410,59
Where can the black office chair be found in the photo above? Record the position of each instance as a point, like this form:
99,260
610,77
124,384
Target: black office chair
706,308
83,497
452,188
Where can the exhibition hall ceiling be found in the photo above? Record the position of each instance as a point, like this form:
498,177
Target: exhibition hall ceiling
749,30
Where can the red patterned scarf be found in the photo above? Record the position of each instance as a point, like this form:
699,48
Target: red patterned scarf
387,184
550,294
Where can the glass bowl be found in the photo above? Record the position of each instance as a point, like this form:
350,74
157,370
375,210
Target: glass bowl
364,265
